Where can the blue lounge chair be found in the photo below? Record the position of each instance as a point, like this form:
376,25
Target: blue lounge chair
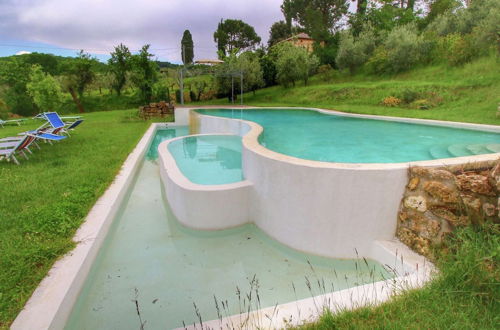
8,149
71,126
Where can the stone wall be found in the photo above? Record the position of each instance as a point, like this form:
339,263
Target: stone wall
159,109
438,200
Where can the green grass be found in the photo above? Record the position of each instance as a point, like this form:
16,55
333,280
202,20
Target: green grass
45,199
464,295
469,94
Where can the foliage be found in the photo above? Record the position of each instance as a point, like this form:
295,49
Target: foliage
44,89
4,110
81,71
144,73
14,74
268,70
391,101
279,31
235,35
354,52
187,48
403,46
247,65
161,92
319,18
294,63
119,64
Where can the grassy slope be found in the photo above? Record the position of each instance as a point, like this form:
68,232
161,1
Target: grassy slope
465,295
45,200
470,93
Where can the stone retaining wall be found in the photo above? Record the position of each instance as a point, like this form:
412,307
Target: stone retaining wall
438,200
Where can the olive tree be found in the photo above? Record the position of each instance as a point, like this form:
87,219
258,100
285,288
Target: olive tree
293,64
44,89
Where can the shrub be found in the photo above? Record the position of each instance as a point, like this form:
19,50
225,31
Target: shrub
391,101
403,46
378,62
44,89
353,52
461,51
408,95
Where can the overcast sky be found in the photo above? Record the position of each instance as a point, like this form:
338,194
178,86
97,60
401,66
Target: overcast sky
97,25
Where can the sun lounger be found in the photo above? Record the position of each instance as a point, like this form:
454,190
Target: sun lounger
11,121
8,149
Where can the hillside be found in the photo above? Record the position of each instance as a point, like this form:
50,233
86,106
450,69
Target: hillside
470,93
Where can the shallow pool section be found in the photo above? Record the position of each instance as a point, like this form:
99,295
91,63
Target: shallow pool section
175,273
331,138
209,159
162,135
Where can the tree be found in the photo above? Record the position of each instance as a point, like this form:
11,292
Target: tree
144,73
294,63
279,31
249,65
354,52
15,75
320,18
82,70
232,34
119,65
44,89
187,48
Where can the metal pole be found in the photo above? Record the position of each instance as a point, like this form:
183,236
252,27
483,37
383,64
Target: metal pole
241,86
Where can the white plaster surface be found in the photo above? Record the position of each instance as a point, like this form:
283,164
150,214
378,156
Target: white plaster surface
207,207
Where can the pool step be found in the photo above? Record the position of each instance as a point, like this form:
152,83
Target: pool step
438,152
478,149
493,147
459,150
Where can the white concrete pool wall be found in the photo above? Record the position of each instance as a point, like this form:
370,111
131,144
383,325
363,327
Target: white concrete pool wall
51,303
331,209
206,207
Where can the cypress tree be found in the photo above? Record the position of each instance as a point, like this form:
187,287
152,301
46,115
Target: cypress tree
187,48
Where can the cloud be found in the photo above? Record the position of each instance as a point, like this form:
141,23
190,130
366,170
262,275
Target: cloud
22,52
98,25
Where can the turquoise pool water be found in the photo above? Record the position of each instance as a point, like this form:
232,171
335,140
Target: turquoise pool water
330,138
209,159
149,257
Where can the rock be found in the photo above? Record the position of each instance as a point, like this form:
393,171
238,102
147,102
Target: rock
422,246
435,174
441,192
475,183
416,202
413,184
471,202
489,209
403,216
406,236
424,226
444,213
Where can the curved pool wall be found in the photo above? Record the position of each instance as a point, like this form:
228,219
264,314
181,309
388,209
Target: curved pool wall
201,206
337,210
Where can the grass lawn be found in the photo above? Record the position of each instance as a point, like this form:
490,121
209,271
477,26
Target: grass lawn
465,295
45,199
466,94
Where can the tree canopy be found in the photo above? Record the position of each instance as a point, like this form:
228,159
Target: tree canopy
187,48
119,65
233,34
279,31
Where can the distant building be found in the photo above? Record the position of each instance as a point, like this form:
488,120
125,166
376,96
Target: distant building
302,40
208,62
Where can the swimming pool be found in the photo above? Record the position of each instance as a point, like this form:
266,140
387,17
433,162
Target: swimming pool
323,137
209,159
172,266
